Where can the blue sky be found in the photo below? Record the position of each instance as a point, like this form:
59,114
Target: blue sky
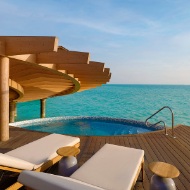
142,41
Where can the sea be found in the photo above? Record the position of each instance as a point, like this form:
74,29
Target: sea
136,102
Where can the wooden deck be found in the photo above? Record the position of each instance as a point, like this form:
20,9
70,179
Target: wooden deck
156,145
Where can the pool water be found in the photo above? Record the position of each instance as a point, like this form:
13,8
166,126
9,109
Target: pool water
86,126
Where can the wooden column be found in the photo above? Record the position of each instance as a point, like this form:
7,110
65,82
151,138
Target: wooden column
12,106
43,108
15,108
4,98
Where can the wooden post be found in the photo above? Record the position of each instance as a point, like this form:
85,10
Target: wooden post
15,108
4,98
12,106
43,108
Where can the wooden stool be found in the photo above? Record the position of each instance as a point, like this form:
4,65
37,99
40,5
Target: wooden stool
163,172
68,164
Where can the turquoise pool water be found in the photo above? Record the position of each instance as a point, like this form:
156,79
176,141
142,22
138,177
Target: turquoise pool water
135,102
87,126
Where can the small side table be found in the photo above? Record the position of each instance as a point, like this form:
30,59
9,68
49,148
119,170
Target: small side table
68,164
163,172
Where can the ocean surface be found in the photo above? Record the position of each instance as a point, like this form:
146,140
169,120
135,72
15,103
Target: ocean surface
135,102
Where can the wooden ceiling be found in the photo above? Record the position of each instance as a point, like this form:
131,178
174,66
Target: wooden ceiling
39,68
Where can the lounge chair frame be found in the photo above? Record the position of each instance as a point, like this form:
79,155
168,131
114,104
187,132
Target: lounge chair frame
141,169
42,168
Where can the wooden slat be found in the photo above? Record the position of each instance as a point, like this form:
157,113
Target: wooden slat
107,71
63,57
93,76
97,64
2,47
25,57
78,68
85,82
16,45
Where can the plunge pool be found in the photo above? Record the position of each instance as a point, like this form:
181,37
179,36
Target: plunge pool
86,126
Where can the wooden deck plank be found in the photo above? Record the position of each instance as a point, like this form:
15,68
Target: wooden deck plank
85,144
121,141
148,159
156,145
167,156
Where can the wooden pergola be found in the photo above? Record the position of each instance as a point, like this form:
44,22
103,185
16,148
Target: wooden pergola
33,68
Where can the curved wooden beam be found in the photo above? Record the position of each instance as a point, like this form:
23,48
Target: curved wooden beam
16,91
41,82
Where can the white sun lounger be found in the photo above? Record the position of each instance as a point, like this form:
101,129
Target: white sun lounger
111,168
38,155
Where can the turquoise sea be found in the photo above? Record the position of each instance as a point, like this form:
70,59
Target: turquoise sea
135,102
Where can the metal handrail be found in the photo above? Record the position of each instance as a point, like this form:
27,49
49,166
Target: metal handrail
172,114
166,133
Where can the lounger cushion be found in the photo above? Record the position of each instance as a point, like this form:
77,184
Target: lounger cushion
9,161
112,167
39,181
42,150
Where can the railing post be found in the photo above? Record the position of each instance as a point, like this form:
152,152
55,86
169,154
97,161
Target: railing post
173,125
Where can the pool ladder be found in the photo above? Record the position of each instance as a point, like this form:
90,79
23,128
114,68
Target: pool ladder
172,114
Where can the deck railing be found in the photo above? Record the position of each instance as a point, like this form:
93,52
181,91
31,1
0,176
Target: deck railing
172,117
